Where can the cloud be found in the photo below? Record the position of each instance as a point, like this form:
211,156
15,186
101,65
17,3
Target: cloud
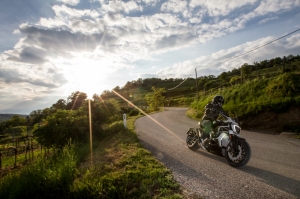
220,61
29,55
219,7
111,30
174,6
267,19
271,6
61,40
27,105
70,2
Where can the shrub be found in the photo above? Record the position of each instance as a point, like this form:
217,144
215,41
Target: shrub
286,85
116,127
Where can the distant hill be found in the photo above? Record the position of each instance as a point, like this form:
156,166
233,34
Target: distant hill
8,116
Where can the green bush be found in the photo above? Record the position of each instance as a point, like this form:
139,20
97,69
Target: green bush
57,129
116,127
286,85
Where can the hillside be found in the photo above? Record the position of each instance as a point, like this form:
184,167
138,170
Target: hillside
7,116
178,88
264,94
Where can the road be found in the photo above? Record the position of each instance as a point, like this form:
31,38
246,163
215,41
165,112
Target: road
272,172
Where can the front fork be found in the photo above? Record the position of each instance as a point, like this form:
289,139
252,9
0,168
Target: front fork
234,140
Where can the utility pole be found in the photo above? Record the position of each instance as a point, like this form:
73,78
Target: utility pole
196,84
241,75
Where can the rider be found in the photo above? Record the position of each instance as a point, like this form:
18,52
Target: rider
211,113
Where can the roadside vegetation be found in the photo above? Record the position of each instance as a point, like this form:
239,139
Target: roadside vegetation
271,96
118,168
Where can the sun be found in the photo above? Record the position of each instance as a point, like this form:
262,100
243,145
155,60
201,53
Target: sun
87,75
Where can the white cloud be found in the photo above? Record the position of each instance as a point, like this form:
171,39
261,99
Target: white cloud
70,2
16,32
271,6
219,7
293,42
267,19
120,6
194,20
174,6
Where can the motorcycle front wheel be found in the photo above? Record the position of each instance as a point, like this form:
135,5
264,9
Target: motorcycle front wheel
240,156
192,139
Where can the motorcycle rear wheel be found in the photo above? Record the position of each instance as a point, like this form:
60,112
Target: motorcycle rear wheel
192,140
240,157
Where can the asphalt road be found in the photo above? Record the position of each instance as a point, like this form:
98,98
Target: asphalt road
272,172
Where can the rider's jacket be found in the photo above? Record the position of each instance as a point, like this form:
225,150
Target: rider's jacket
212,112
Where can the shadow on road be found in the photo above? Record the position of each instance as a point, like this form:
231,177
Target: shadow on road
281,182
278,181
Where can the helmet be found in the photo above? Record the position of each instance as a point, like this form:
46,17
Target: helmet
218,100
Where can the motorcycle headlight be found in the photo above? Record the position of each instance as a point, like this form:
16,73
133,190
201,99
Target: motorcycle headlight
236,128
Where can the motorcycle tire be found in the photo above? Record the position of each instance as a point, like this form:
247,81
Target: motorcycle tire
192,140
240,157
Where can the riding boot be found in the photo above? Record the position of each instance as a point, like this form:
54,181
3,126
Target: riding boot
205,142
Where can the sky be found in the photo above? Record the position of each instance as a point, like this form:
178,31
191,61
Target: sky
51,48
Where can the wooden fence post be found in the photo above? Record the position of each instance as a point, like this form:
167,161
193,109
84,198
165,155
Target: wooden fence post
0,160
16,152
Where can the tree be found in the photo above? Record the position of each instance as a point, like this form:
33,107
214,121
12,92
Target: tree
277,61
235,71
60,104
202,82
103,111
57,129
35,116
245,71
76,99
211,84
223,77
155,98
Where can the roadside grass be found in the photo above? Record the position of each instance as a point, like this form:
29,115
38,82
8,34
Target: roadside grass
45,178
122,168
119,168
9,161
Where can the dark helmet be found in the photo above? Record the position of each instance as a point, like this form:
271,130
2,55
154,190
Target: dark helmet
218,100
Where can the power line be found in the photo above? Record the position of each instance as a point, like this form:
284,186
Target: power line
260,46
177,85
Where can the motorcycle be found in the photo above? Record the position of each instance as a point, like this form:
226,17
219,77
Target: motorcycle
224,139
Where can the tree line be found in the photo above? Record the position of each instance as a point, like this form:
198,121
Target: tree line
68,120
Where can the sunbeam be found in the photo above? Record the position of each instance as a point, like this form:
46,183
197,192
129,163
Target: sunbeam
168,130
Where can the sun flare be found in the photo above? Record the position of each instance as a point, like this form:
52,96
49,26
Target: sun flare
87,75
